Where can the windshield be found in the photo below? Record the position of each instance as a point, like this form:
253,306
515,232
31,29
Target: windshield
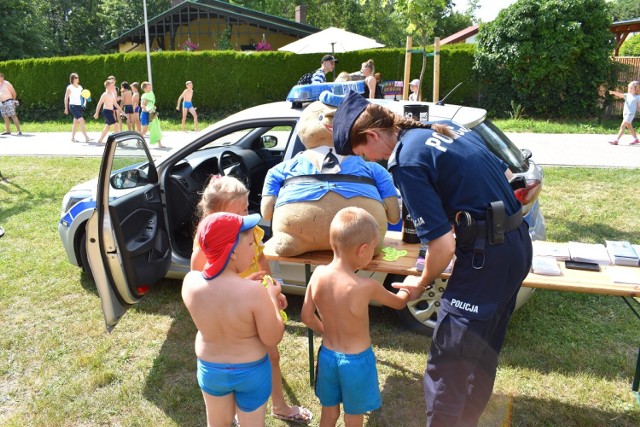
501,146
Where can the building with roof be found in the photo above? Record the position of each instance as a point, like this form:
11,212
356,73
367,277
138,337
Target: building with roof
466,35
213,25
622,29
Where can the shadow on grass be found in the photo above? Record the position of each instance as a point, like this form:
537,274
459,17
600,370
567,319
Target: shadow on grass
502,410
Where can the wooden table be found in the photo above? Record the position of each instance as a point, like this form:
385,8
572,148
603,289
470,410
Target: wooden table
569,281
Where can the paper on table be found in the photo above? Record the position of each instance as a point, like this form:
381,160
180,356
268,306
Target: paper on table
624,275
546,265
589,252
559,251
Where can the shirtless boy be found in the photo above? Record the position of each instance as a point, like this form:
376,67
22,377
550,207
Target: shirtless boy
346,367
109,102
237,319
187,106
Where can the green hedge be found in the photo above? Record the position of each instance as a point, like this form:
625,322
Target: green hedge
224,81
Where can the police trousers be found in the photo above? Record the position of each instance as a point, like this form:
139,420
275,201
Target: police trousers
463,357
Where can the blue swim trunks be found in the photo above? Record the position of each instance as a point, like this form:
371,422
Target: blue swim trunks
144,118
109,117
186,105
138,109
350,379
249,382
128,109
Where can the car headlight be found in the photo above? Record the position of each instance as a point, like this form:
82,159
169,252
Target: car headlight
71,199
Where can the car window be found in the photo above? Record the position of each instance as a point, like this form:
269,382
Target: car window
501,146
130,164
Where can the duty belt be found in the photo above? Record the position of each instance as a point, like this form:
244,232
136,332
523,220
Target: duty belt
471,233
326,177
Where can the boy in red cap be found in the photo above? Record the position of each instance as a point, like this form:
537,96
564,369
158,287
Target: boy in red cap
236,322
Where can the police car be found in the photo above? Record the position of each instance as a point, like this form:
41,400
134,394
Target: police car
134,224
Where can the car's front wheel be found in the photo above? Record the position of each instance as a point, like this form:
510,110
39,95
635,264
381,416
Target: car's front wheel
420,315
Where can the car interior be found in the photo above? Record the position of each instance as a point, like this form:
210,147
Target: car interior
246,154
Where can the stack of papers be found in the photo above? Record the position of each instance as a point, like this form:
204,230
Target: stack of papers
559,251
589,252
622,253
545,265
624,275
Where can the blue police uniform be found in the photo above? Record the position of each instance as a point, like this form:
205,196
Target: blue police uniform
439,176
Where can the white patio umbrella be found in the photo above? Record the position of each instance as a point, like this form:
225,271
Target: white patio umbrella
331,40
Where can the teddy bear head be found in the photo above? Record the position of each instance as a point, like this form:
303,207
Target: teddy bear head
315,128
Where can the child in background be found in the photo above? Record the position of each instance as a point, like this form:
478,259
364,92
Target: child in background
631,101
346,368
187,105
236,322
228,194
111,107
148,116
415,88
135,101
126,96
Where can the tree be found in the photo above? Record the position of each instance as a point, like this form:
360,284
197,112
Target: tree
423,17
548,56
23,34
631,46
624,10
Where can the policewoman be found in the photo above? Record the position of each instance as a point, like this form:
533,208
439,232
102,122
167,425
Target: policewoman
449,180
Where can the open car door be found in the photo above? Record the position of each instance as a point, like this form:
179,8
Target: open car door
127,240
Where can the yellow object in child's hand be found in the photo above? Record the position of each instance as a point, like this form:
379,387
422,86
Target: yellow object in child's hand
266,281
392,254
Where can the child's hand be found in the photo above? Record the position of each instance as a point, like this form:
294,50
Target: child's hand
273,286
178,108
258,275
95,116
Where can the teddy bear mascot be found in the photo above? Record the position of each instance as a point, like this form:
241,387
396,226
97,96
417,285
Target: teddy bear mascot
302,195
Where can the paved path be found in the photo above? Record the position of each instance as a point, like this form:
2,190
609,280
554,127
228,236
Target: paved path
547,149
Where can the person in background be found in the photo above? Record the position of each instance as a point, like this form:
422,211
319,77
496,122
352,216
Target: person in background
118,100
148,116
135,100
110,108
343,77
74,103
414,86
631,102
126,97
8,104
187,106
236,319
327,65
346,369
451,183
370,83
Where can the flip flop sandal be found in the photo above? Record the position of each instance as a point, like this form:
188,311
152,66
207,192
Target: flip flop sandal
301,416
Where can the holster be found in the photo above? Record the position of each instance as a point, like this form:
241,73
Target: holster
496,217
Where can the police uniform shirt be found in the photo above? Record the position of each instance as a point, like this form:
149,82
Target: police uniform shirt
439,176
350,165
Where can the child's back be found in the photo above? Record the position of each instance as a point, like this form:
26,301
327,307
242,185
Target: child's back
234,318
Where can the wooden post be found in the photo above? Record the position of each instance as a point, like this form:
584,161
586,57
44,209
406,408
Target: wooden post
436,69
407,70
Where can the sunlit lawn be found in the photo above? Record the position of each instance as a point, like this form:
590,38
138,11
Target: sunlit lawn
568,359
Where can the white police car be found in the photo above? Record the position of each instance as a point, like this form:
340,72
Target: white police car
134,224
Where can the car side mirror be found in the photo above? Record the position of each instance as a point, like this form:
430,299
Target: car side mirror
269,141
128,179
526,153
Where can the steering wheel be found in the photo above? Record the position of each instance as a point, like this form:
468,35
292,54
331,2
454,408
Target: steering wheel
229,163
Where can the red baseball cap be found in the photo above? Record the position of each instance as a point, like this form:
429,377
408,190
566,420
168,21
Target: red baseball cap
218,235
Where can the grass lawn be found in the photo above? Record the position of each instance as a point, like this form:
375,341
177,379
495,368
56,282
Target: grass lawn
568,358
